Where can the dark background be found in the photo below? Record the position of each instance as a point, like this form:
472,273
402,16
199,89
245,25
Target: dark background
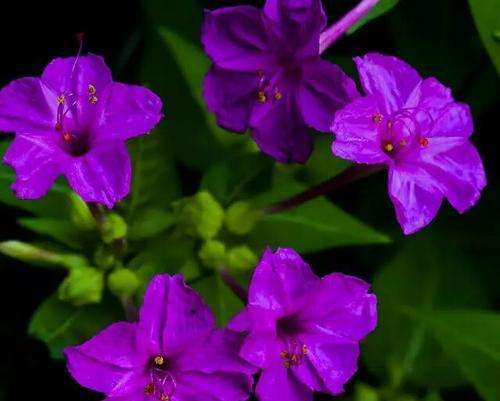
441,42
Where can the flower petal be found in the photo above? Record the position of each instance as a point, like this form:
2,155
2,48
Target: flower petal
325,89
348,311
280,132
416,196
36,164
334,363
261,346
231,96
458,168
235,38
215,386
218,352
356,132
279,383
103,175
107,362
389,79
27,106
127,111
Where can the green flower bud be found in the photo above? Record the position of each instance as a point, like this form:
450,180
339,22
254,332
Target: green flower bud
103,258
83,285
200,215
241,218
80,213
113,228
212,254
241,258
123,282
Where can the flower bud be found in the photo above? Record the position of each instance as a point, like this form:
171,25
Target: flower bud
103,258
80,213
83,285
241,258
114,227
200,215
212,254
241,218
123,282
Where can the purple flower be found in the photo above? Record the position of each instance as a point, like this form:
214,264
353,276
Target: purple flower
415,127
303,331
74,121
173,353
268,75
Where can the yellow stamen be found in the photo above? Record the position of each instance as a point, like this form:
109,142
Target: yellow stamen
93,99
304,349
164,397
149,389
159,360
67,137
389,147
61,99
403,143
423,141
261,96
286,364
278,96
92,89
377,118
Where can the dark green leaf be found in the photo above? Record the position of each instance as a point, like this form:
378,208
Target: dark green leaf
59,324
486,14
149,222
380,9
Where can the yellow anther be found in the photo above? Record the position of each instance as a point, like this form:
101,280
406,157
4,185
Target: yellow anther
304,349
389,147
278,96
403,143
149,389
294,359
377,118
92,89
159,360
164,397
286,364
67,137
261,96
61,99
93,99
285,354
389,125
423,141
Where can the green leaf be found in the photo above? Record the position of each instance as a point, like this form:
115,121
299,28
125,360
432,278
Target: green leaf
149,222
429,273
221,299
486,15
59,324
380,9
433,396
472,339
310,227
155,182
60,230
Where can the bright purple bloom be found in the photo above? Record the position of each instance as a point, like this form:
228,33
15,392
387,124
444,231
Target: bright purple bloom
268,75
174,352
74,121
303,331
415,127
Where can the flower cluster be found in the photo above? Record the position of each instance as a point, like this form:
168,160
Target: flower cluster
301,332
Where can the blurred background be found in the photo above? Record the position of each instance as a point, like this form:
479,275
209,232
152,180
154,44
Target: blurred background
452,265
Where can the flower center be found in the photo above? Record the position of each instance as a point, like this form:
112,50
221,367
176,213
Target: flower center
162,384
288,328
404,130
268,89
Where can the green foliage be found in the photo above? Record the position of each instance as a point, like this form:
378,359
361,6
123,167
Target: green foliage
380,9
241,218
82,286
212,254
149,222
123,282
486,14
241,258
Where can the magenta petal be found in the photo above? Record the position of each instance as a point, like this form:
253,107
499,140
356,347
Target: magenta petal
260,347
389,79
35,163
416,196
356,132
107,361
455,120
231,96
306,373
334,363
215,386
280,132
235,38
103,175
27,106
325,89
127,111
279,383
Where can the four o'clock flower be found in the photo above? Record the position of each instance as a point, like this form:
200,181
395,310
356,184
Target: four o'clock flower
173,353
267,74
74,121
303,331
416,128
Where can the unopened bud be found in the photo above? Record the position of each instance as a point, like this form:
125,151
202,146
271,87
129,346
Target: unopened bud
123,282
241,258
241,218
83,285
212,254
114,227
80,213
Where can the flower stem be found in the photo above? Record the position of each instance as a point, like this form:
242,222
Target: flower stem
97,212
350,175
130,309
331,34
235,287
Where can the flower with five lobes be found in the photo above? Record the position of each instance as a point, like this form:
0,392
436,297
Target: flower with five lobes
303,331
414,126
74,121
267,75
174,352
